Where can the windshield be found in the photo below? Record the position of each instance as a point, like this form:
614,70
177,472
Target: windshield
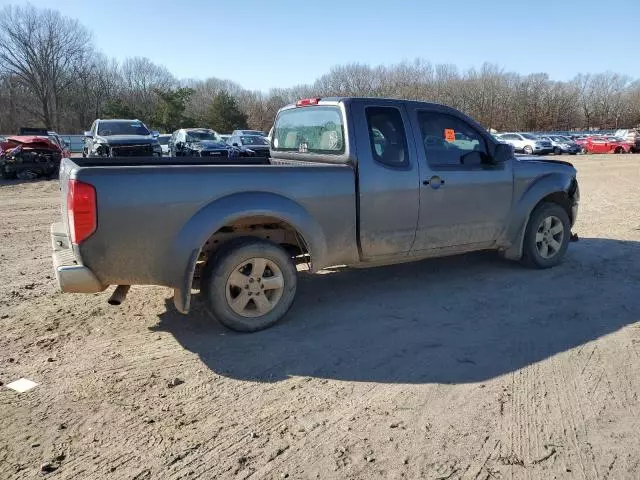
528,136
199,135
124,127
253,140
309,130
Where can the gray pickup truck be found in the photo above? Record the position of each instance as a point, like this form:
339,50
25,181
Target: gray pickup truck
351,181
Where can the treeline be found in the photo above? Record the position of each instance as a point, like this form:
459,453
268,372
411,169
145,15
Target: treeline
51,75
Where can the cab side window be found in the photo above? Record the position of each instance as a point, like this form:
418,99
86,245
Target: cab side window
448,140
387,136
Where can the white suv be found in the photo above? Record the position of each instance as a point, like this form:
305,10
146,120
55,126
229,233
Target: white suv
527,143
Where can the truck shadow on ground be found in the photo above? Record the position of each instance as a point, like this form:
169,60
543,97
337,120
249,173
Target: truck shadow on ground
449,320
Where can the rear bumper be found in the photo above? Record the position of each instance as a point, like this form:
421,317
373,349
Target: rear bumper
542,150
72,276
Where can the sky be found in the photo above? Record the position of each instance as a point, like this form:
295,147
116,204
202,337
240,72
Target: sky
281,43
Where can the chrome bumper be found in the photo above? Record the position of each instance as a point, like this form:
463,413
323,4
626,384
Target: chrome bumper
72,276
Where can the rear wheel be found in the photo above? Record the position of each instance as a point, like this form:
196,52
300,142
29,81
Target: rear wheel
249,284
557,151
528,149
547,236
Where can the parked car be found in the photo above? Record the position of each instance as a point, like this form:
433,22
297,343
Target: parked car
64,145
248,132
28,157
527,143
607,144
333,196
632,136
251,144
121,138
163,140
562,144
43,132
199,142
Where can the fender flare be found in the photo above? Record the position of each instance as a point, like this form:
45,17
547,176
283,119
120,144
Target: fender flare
189,241
512,237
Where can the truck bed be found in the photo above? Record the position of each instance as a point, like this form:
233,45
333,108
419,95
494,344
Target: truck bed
151,212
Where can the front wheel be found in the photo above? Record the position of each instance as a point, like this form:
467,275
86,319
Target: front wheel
249,284
528,149
557,151
547,236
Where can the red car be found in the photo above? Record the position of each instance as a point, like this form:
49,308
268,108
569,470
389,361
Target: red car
29,157
607,145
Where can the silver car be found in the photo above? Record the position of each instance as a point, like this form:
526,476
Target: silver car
527,143
562,144
164,143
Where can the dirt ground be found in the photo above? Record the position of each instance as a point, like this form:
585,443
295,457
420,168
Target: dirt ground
469,367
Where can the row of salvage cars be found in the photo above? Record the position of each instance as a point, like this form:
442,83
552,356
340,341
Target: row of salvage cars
623,141
31,154
204,142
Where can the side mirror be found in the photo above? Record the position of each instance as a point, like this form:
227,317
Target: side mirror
502,153
155,133
88,134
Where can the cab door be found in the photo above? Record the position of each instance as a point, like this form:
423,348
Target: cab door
388,178
465,199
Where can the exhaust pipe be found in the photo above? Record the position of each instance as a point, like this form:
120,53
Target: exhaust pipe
119,295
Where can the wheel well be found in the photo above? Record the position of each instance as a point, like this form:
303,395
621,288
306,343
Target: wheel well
269,228
560,198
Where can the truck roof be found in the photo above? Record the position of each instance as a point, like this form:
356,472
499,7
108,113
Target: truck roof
383,100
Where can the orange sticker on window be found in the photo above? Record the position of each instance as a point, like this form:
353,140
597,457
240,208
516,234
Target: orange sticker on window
449,134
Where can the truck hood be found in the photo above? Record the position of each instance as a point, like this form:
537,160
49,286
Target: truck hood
544,161
127,139
533,167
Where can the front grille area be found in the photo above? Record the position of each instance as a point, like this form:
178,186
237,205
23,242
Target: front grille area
215,153
262,152
132,151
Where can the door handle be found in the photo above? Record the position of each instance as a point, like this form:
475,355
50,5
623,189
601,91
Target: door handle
434,182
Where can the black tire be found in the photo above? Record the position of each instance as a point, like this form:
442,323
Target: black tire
528,150
531,257
618,150
584,150
225,262
8,175
557,151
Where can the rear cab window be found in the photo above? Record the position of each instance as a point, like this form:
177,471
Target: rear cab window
310,129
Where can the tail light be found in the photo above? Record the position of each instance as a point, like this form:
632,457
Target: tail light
305,102
81,210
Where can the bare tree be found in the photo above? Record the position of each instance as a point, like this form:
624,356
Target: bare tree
42,49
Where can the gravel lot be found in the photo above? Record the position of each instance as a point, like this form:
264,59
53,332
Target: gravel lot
467,367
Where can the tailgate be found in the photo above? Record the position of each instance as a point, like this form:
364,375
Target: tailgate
67,167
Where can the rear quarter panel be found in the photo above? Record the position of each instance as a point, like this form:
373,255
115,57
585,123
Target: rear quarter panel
150,219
